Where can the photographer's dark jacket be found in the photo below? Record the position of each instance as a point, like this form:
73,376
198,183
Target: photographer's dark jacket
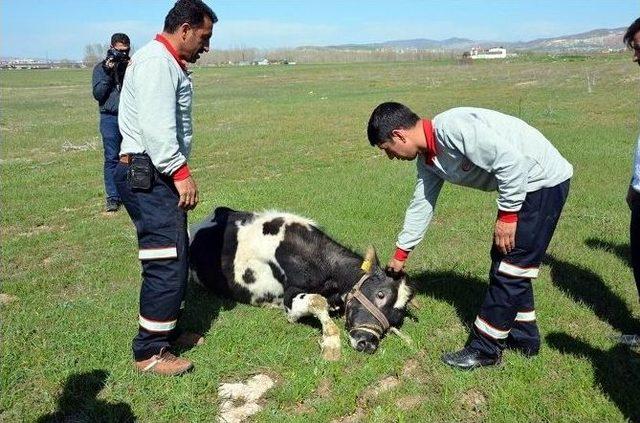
106,87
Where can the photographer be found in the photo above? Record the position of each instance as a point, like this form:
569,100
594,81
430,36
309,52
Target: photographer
107,83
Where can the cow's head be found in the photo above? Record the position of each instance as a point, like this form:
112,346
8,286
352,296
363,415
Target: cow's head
377,302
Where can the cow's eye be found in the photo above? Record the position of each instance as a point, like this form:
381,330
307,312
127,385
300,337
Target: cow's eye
380,294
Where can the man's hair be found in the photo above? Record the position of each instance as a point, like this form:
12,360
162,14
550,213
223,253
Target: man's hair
631,32
388,117
188,11
119,37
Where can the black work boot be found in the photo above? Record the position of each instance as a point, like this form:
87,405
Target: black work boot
112,205
469,358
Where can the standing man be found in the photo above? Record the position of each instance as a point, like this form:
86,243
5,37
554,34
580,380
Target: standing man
487,150
107,83
154,179
632,40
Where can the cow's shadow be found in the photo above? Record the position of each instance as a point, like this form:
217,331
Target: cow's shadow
617,371
78,402
465,293
584,286
201,309
622,251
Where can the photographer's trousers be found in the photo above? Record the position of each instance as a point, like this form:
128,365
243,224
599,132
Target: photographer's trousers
507,316
161,227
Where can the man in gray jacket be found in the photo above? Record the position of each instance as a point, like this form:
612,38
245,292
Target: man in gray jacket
490,151
154,179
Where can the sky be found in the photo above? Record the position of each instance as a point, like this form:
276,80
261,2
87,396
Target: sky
58,29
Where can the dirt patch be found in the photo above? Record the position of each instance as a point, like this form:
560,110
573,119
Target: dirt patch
7,299
41,229
410,402
108,215
411,369
369,394
323,391
239,401
386,384
86,146
324,388
628,79
526,83
474,402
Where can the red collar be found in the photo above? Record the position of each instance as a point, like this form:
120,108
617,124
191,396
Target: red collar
174,53
427,127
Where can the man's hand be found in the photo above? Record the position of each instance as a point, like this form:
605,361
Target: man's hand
188,193
504,236
109,63
632,197
396,265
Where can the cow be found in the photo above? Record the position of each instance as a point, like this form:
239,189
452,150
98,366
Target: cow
280,259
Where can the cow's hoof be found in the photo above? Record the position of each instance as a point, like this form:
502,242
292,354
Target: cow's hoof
331,354
330,348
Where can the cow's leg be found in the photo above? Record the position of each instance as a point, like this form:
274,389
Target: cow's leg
316,305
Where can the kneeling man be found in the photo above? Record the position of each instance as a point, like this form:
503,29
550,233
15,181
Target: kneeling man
487,150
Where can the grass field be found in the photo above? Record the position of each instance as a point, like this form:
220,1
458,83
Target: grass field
293,138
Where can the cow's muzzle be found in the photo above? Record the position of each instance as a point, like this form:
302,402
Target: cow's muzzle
365,338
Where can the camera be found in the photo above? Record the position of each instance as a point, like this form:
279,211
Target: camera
118,56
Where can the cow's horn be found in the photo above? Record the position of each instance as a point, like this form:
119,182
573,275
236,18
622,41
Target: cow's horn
371,255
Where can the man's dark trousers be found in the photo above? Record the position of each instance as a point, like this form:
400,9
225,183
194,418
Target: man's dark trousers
507,315
634,238
111,139
161,227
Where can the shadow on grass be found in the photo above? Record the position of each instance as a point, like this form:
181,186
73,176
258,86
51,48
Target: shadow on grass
463,292
78,402
622,251
582,285
201,308
617,371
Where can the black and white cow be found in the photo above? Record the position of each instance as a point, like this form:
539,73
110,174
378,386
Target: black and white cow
280,259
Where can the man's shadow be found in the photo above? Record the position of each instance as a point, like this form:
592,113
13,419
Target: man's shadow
582,285
617,371
465,293
622,251
78,402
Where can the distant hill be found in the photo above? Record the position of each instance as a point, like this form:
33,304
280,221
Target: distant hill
591,41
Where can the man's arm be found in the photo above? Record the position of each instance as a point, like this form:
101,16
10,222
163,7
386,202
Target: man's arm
102,83
156,83
418,215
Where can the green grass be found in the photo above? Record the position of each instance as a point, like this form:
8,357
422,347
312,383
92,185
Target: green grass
293,138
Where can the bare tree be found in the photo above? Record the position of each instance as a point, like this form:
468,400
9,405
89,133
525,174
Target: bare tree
93,53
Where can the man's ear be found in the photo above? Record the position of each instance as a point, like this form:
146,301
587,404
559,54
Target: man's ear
398,134
184,30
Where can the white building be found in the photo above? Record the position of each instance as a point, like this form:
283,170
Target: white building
492,53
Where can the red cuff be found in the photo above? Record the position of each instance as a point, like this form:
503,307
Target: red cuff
507,217
183,172
401,254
